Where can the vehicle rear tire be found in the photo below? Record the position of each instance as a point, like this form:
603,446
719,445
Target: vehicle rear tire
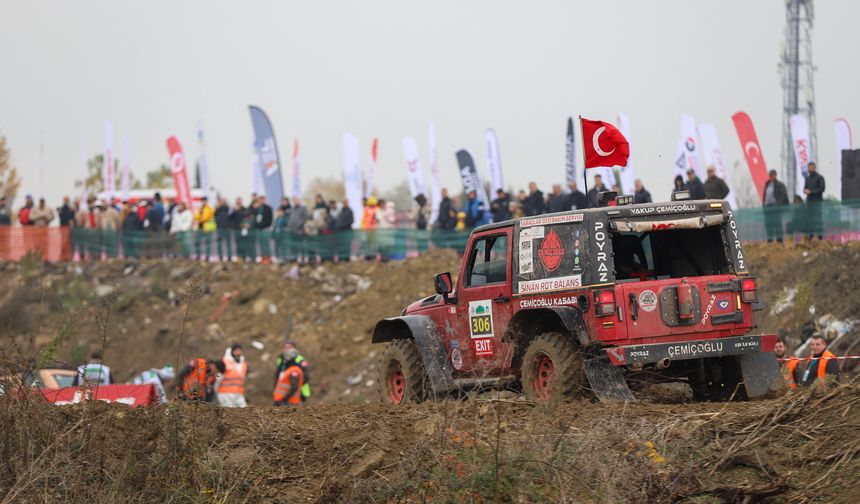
402,377
552,368
723,380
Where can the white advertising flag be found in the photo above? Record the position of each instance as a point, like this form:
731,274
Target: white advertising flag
843,140
802,149
713,154
435,182
371,169
203,165
692,155
125,178
681,160
494,162
259,188
352,176
628,174
107,168
414,174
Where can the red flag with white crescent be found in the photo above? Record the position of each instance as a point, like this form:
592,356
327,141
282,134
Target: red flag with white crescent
603,144
752,150
180,173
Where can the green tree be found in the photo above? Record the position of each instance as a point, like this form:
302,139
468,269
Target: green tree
9,179
160,178
95,184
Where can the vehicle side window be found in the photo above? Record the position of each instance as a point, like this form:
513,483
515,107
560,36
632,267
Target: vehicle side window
488,261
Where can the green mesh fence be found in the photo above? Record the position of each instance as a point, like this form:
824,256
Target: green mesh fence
832,221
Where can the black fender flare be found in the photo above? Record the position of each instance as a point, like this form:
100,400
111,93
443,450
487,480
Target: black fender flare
534,321
433,355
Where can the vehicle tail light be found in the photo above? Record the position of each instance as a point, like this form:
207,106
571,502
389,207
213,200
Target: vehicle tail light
749,290
604,302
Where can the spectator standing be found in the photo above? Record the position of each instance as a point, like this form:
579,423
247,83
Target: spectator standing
24,213
262,222
598,188
108,223
345,218
822,367
556,201
298,217
223,230
695,186
534,203
814,191
516,209
319,202
94,372
343,227
67,213
499,206
640,194
279,232
369,219
158,214
420,213
182,222
475,215
575,199
5,212
773,202
205,224
42,215
131,225
447,218
715,187
231,386
678,184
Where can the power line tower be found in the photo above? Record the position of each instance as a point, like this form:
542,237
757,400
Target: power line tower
797,71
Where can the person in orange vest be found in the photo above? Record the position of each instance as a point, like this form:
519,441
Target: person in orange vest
822,367
787,364
369,219
196,381
231,387
288,388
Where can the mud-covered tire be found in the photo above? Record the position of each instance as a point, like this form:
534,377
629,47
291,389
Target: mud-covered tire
411,385
552,368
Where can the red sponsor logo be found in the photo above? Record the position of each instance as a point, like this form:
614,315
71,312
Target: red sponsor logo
483,346
662,226
551,251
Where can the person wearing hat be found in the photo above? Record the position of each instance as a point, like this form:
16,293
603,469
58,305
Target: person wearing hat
231,386
157,378
695,186
291,357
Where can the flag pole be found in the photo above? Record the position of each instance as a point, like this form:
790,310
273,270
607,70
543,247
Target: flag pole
584,168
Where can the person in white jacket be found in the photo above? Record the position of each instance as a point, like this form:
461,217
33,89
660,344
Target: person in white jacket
182,222
156,377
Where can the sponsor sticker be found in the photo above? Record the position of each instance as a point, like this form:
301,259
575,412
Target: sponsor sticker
481,318
526,258
483,346
551,251
723,304
648,300
456,359
709,308
663,209
543,302
550,284
532,233
555,219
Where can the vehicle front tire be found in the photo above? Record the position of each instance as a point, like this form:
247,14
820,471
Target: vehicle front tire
402,377
552,368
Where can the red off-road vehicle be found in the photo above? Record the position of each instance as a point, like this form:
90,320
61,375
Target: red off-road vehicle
588,299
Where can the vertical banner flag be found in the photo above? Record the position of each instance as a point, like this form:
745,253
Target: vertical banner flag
371,169
107,168
179,170
352,176
414,174
267,150
681,160
296,189
494,162
125,178
752,151
713,155
257,167
802,148
435,182
693,158
628,175
843,140
470,178
569,155
203,164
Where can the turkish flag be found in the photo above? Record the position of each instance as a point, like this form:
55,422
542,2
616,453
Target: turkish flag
603,144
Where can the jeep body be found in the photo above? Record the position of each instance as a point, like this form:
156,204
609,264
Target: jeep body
659,287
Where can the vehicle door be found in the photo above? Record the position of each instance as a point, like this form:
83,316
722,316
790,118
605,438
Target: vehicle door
484,302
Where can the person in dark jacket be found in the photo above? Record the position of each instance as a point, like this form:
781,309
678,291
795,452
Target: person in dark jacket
821,369
499,206
475,214
534,203
5,212
556,201
263,218
640,194
774,204
814,191
223,229
447,213
66,213
345,218
678,184
598,188
576,198
695,186
131,225
715,187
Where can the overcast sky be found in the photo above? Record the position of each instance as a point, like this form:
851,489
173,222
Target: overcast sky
386,68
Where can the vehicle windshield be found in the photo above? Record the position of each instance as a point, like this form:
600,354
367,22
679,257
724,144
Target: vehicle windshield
673,253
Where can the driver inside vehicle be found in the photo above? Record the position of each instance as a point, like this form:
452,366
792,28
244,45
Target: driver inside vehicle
630,262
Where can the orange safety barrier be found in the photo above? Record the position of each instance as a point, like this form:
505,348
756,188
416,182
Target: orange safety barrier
52,243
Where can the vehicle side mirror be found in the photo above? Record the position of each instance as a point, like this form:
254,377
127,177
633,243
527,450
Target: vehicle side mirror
443,284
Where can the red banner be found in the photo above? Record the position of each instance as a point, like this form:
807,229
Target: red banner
180,173
132,395
752,150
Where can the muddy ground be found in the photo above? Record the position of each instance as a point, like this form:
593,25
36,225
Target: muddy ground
339,449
